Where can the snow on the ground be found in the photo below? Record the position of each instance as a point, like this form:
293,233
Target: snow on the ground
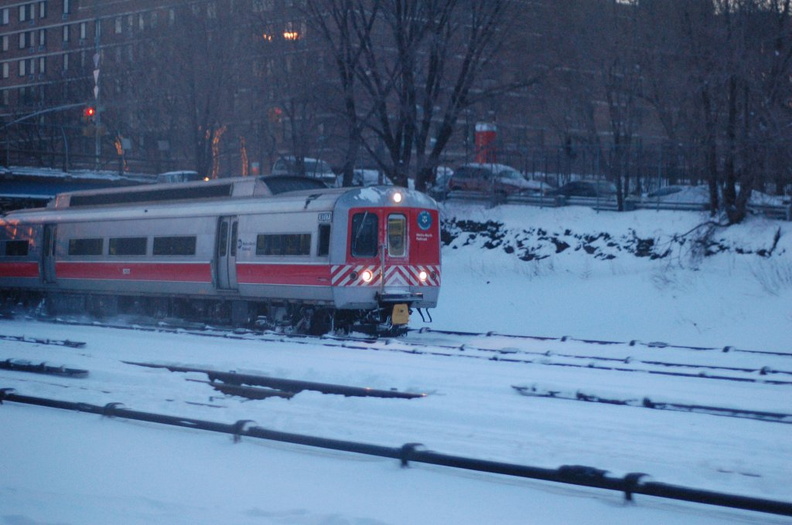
638,276
732,298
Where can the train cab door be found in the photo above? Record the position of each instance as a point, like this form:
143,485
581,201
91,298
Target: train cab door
226,252
48,254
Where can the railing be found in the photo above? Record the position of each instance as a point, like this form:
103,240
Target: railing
772,211
630,485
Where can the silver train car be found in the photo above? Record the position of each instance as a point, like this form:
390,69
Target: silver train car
278,251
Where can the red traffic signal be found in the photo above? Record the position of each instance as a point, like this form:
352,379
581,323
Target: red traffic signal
89,113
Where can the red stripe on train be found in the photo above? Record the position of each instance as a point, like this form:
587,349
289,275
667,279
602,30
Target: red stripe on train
19,269
173,272
295,274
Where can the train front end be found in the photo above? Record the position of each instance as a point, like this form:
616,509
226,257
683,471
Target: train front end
386,261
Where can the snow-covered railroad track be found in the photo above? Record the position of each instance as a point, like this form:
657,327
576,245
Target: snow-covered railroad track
727,363
291,386
590,397
471,410
654,358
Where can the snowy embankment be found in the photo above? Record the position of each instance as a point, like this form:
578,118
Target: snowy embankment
643,275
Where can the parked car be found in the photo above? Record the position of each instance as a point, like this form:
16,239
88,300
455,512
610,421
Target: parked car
368,177
586,188
491,178
679,193
439,190
315,168
179,176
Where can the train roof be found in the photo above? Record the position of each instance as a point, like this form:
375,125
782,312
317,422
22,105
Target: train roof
187,191
245,196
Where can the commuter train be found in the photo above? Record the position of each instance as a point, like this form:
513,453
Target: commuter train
277,251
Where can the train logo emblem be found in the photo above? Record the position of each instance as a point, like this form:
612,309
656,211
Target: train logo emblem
424,220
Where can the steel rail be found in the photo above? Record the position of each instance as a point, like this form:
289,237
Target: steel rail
630,485
509,356
286,385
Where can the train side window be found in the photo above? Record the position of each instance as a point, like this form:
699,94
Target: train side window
222,240
177,245
283,244
234,230
364,235
397,235
323,248
86,246
16,248
127,246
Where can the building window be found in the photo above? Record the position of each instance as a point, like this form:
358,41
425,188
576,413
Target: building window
43,9
65,61
263,5
22,68
5,43
66,7
27,12
42,37
66,33
5,16
119,25
22,40
5,71
42,65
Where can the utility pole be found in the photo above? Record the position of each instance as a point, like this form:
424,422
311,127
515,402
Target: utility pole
96,91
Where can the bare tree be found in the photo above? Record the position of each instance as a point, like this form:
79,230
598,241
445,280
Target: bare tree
346,25
294,87
182,86
415,63
734,79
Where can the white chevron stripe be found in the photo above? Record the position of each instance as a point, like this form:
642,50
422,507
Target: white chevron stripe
396,275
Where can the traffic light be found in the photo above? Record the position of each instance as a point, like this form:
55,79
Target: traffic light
89,113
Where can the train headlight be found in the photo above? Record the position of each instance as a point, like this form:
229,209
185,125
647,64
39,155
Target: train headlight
423,276
367,276
397,197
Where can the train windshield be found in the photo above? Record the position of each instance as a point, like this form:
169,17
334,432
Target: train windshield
364,235
397,235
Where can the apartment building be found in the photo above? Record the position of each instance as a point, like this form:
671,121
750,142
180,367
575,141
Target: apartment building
59,57
130,60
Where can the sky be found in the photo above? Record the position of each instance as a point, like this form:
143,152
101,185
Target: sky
568,274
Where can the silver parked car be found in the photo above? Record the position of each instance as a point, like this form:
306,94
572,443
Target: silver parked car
314,168
491,178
